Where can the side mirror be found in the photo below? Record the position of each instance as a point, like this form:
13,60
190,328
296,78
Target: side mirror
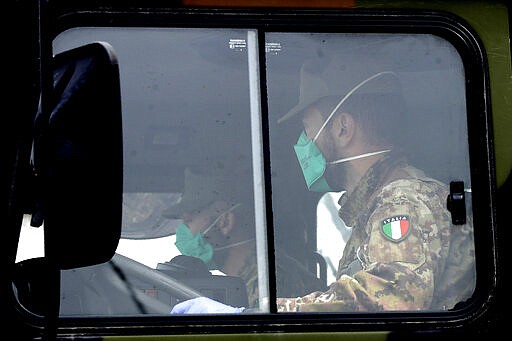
78,159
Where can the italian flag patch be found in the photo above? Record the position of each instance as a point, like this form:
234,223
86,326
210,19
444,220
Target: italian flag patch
395,228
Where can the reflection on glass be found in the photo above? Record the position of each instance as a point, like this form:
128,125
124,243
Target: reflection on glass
142,215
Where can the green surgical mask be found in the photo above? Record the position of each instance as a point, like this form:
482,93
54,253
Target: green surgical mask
313,164
194,245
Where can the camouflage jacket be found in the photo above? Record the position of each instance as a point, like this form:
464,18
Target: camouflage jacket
404,253
249,275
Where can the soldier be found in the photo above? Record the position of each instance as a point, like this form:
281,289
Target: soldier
218,228
404,253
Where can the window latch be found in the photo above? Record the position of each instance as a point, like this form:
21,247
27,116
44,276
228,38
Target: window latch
456,202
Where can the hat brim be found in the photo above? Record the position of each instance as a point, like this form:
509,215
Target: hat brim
295,110
384,82
174,211
200,190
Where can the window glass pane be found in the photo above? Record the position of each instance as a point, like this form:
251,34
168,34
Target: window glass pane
375,126
189,205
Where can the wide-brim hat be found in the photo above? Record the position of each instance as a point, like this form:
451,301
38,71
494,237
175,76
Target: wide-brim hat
343,76
200,190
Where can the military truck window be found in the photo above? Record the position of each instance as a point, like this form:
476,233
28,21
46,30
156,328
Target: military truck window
367,135
367,183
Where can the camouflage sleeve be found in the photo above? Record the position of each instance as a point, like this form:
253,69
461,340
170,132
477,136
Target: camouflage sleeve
252,289
384,287
342,295
250,277
398,259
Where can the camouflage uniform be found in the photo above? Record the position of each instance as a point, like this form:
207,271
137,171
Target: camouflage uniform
427,263
249,275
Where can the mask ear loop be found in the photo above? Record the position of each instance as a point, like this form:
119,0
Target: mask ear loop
216,221
358,157
218,218
354,89
233,245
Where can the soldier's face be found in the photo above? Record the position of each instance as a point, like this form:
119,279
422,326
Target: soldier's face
313,121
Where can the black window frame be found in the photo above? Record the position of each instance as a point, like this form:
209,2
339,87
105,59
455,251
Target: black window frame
443,24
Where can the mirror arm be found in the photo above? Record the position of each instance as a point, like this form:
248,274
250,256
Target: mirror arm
46,61
38,153
46,103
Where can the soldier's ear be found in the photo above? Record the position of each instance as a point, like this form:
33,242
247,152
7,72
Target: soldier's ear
226,223
343,127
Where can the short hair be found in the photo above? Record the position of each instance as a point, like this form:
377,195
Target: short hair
381,116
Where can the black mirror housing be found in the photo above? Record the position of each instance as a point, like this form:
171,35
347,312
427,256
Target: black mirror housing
78,158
